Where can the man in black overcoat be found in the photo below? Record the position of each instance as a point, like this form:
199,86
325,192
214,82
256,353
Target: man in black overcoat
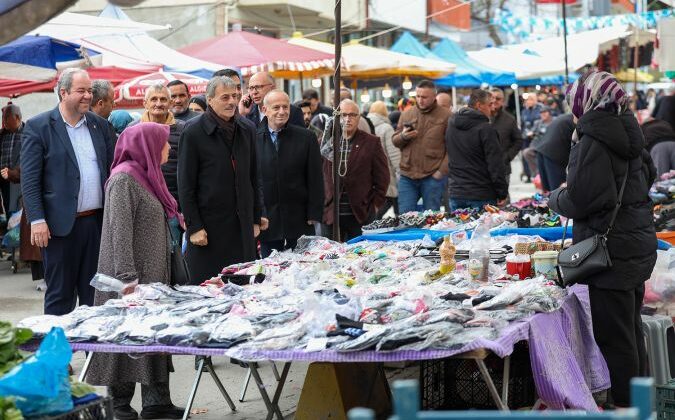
217,184
292,176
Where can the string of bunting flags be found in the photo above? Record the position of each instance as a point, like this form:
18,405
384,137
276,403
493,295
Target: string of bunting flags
527,28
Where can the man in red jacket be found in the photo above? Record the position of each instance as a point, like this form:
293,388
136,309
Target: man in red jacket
364,176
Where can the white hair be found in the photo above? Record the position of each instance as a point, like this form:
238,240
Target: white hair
157,87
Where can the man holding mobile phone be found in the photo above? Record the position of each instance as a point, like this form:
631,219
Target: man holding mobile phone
424,161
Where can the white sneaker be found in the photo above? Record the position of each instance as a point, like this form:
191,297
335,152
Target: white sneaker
41,286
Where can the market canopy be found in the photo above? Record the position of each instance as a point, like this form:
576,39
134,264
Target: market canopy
38,58
523,65
584,47
253,53
363,61
408,44
140,51
13,87
71,26
131,93
469,72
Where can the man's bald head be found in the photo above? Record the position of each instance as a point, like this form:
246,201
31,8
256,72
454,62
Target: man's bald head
443,99
259,85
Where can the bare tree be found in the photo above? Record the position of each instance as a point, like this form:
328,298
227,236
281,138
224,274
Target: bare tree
484,11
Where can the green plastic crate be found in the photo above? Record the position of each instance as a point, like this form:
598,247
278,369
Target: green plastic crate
665,401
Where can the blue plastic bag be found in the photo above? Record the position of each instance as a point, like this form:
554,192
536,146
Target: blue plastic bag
40,384
12,238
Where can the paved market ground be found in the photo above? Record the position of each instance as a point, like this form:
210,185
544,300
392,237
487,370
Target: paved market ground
19,299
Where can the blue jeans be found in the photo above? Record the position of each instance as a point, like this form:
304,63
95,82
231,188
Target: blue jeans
459,203
429,188
552,173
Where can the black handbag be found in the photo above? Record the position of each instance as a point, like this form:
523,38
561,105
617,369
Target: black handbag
590,256
179,270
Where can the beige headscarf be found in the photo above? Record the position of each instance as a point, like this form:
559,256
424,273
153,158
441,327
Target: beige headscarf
170,119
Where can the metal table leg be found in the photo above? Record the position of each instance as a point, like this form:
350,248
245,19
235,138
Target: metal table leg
247,380
491,385
195,385
216,379
275,371
271,409
505,380
280,386
242,395
85,368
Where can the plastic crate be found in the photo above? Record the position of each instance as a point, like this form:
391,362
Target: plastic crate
101,409
665,401
456,384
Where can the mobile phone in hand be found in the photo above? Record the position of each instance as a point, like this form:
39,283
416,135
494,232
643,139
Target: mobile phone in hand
247,101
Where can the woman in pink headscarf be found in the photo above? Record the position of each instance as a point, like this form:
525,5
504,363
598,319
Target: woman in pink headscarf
135,249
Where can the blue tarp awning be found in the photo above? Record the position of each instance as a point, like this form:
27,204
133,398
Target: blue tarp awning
35,58
469,73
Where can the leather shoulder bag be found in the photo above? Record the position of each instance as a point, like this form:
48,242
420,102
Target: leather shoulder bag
590,256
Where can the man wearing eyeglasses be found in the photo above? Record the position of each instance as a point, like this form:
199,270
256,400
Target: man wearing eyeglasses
251,104
66,155
363,172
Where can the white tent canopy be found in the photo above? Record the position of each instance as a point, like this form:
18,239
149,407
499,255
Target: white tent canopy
525,66
72,26
365,61
139,51
583,47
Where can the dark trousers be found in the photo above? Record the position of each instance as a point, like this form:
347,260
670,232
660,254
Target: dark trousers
462,203
70,262
552,174
151,395
617,327
391,202
350,228
4,191
266,247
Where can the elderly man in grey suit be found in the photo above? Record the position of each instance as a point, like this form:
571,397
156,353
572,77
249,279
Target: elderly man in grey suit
66,155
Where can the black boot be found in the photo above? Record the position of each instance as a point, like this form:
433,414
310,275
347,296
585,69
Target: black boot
162,412
125,412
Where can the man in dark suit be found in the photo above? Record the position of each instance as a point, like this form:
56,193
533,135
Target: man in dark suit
364,176
258,86
292,176
66,155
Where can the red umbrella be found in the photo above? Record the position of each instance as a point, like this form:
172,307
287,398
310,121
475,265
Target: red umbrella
252,53
131,93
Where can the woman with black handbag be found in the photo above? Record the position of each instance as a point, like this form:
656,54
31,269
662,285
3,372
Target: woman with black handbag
135,248
608,147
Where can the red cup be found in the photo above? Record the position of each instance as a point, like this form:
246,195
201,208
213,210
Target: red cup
522,269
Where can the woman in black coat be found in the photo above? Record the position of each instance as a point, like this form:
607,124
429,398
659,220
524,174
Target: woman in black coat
218,184
607,143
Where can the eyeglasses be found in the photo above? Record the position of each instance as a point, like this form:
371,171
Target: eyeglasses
346,116
258,88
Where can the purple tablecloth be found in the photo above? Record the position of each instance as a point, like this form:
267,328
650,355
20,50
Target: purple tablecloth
566,362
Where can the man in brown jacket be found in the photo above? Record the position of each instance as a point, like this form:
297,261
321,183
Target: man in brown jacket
424,161
364,176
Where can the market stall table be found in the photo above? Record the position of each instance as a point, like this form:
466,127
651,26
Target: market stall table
566,363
